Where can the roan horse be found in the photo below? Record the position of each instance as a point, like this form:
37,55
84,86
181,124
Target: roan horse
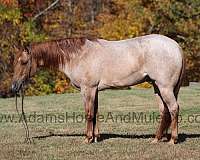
96,64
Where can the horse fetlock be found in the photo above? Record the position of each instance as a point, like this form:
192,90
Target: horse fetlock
88,140
96,133
96,139
156,140
159,135
172,141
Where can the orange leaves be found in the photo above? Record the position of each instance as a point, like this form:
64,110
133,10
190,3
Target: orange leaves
9,3
61,86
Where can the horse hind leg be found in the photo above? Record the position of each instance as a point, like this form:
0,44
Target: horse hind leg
95,120
164,114
170,100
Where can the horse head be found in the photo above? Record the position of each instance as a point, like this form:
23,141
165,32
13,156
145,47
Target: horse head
23,68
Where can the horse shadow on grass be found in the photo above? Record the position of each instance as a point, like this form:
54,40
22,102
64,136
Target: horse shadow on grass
182,137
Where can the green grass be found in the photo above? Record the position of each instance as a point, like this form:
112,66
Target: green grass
119,140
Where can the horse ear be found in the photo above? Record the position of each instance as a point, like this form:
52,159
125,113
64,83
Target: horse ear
24,57
27,47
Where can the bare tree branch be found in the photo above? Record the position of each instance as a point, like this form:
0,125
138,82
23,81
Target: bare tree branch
45,10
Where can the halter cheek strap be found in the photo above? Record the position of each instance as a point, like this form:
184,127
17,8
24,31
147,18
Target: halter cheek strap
30,66
29,63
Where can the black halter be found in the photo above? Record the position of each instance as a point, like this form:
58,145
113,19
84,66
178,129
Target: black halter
30,66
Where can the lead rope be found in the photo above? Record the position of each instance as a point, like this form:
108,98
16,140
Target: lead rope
24,120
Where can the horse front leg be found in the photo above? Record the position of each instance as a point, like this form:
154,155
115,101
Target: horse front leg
89,95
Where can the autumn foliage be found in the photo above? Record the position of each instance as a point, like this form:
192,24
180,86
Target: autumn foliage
109,19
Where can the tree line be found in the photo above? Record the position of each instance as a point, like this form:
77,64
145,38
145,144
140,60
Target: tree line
26,21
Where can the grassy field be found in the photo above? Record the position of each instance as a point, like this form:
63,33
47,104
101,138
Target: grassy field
128,123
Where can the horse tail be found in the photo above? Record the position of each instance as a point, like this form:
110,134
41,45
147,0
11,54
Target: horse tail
181,76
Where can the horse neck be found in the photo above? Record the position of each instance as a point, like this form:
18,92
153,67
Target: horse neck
59,54
47,59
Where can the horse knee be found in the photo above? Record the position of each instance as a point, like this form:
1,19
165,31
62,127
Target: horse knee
89,116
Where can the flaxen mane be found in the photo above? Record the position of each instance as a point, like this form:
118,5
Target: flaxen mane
54,53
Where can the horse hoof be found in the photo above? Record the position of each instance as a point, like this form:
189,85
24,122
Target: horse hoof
155,141
172,142
95,139
88,140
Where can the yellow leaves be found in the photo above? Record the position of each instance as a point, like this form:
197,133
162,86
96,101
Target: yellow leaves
120,28
16,21
144,85
10,14
188,26
126,23
61,86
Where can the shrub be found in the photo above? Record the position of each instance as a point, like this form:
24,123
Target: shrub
144,85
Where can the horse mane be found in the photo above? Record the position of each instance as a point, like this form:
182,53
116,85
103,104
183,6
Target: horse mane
56,52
